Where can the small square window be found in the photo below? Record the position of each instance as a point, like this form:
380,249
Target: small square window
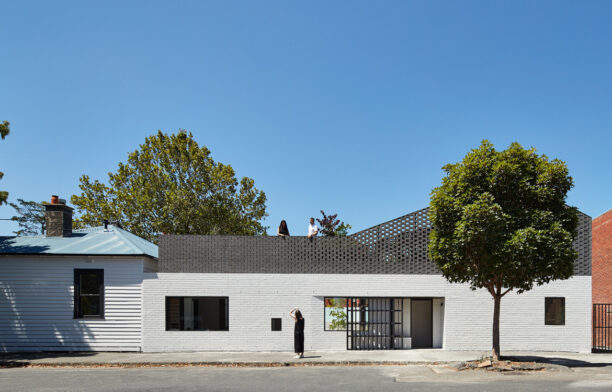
554,312
277,324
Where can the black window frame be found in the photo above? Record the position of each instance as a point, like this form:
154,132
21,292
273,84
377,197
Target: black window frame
274,327
181,315
546,306
78,311
325,314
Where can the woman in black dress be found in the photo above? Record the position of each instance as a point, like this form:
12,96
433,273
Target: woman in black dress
298,332
283,230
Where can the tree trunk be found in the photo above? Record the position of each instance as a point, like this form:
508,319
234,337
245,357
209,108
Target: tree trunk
496,310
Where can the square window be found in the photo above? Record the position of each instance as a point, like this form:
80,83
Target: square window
554,311
277,324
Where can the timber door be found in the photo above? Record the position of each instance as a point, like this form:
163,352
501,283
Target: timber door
421,322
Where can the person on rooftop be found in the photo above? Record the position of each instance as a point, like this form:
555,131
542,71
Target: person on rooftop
283,230
313,230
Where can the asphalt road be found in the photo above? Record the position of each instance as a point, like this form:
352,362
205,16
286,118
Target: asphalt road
354,379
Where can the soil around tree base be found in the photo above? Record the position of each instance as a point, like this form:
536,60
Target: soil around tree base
488,364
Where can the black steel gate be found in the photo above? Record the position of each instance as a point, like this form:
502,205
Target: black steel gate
602,328
375,323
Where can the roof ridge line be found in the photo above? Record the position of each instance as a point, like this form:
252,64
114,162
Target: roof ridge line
132,245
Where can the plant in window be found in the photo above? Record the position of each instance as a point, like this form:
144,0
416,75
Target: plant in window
337,313
338,321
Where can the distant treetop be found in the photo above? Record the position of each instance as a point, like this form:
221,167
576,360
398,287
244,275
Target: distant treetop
172,185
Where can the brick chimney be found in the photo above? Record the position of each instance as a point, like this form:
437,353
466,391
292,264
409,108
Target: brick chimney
58,218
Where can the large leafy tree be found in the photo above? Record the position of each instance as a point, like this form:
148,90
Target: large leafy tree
172,185
501,223
30,217
4,131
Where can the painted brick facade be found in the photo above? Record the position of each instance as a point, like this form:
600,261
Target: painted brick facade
602,259
462,317
265,277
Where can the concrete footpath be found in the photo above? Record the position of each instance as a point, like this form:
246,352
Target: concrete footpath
312,358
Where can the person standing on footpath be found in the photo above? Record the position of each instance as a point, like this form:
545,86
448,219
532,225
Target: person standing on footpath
313,230
298,332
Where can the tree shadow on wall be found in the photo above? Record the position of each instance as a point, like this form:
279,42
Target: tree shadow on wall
36,312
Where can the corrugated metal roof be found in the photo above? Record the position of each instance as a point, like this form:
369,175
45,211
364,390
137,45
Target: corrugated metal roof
93,241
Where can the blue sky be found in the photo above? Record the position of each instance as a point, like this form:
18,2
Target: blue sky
350,107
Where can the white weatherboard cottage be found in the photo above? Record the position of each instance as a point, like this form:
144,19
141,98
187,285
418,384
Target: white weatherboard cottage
375,289
73,290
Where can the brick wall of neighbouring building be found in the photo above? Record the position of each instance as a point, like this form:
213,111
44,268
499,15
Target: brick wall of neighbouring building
602,259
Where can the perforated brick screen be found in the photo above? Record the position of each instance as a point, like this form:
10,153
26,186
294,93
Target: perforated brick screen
395,247
582,244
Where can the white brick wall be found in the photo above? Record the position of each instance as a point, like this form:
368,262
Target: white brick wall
462,323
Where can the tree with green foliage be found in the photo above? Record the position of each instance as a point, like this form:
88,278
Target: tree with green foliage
332,227
501,223
30,217
172,185
4,131
343,229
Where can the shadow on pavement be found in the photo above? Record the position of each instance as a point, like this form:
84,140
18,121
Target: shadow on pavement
573,363
22,359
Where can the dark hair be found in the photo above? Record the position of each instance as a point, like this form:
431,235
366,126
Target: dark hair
298,315
282,228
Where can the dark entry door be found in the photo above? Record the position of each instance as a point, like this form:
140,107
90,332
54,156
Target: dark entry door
421,328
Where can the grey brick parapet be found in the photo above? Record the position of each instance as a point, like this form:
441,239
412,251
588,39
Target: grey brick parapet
582,245
398,246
